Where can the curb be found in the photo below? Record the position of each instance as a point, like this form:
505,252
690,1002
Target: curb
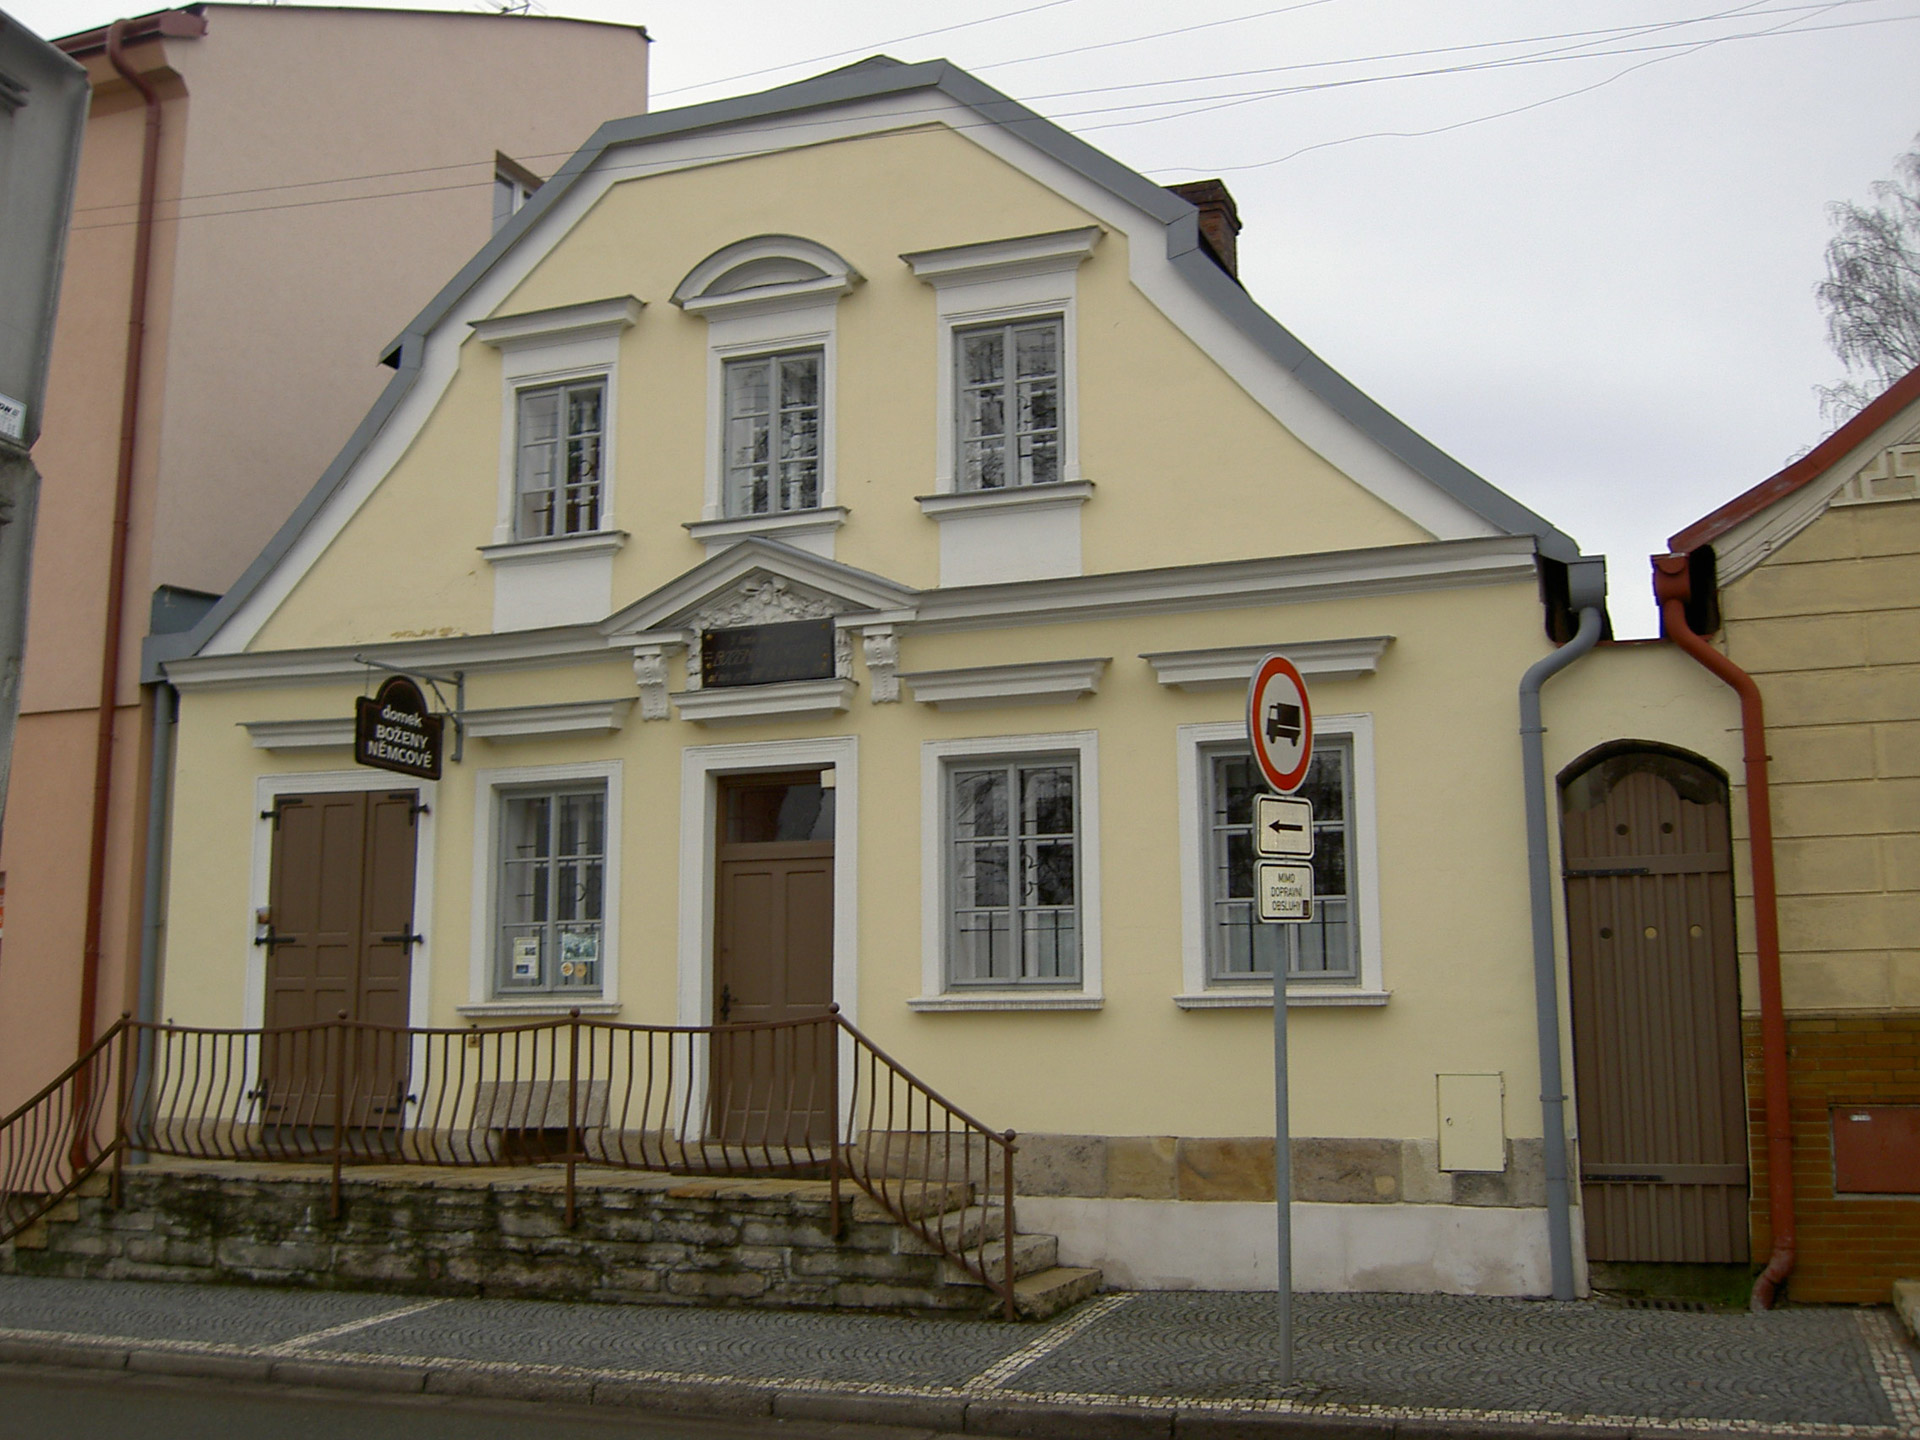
1011,1419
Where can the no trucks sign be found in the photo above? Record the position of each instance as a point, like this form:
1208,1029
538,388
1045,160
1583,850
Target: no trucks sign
1280,723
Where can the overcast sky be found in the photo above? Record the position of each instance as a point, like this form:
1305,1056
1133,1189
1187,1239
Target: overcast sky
1573,242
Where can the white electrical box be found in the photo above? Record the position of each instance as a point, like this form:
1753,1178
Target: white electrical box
1473,1122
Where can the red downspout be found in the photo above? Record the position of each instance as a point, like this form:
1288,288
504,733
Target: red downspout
117,563
1672,588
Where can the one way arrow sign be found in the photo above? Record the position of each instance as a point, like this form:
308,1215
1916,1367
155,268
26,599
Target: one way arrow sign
1282,827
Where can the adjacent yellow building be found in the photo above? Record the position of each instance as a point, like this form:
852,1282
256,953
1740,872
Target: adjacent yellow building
845,519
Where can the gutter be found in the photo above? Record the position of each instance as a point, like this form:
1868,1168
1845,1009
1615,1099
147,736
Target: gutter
1673,589
1587,592
117,561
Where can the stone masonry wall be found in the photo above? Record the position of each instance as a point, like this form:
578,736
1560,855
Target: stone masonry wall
1851,1247
639,1238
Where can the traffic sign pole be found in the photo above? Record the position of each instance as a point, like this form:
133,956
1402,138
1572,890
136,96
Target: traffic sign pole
1280,732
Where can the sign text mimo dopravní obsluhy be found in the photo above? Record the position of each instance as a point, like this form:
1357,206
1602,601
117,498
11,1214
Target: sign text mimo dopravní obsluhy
393,731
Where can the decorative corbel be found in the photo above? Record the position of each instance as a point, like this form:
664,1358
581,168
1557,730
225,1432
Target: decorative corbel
650,674
882,647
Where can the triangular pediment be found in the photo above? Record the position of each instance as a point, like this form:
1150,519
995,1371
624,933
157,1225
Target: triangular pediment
759,582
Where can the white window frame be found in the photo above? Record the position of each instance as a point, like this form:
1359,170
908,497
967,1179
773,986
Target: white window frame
1031,277
567,345
773,358
253,1004
805,326
937,758
562,389
1009,384
1194,746
491,790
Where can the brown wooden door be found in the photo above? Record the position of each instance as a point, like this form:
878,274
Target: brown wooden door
1656,1010
340,941
773,960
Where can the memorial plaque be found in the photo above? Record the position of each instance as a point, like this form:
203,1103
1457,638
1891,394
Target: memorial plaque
393,731
767,654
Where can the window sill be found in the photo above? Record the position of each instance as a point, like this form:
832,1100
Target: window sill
1043,682
511,1009
558,547
792,699
1008,1000
1057,494
786,526
1298,998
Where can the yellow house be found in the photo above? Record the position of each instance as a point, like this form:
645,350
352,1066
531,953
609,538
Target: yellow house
844,520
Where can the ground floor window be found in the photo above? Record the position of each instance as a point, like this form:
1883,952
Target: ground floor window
551,896
1014,872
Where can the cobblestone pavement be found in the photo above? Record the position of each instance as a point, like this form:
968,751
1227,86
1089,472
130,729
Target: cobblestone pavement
1394,1358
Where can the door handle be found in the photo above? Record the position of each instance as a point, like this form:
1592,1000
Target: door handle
407,938
726,1002
272,939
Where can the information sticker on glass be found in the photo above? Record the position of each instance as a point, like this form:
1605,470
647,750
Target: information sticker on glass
526,957
579,953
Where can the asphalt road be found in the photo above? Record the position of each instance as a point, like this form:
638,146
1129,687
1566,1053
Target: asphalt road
62,1405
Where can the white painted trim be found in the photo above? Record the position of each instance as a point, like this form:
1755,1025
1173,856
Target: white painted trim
518,1009
253,1003
1040,682
701,767
1027,277
555,548
1056,495
1084,745
567,719
332,733
687,592
487,787
1231,666
1315,422
589,320
691,293
789,700
1191,746
808,529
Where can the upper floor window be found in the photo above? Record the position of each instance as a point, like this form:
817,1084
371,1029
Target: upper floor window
773,433
561,432
513,186
1008,409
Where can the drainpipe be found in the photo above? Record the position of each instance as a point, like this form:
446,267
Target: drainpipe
1673,588
1587,591
166,710
117,561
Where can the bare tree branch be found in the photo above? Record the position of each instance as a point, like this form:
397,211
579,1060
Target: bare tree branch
1871,296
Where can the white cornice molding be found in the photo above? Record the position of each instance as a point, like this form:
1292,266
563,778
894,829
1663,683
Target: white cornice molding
513,650
667,607
555,547
548,722
335,732
1043,682
1003,259
590,320
832,275
789,700
1232,584
783,526
1058,494
1231,666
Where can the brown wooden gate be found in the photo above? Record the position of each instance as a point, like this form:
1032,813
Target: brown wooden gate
773,960
339,942
1656,1009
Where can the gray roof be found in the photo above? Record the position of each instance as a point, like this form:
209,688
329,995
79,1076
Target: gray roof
874,78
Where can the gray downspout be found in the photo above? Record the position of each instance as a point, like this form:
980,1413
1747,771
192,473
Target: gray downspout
166,710
1587,590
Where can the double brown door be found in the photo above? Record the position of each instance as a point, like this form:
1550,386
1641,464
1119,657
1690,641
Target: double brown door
773,960
1656,1011
339,938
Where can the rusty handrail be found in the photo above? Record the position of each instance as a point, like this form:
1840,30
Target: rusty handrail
762,1098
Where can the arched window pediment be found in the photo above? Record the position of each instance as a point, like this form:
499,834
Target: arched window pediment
764,268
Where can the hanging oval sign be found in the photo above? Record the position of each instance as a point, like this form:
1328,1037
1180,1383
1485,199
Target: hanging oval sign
1280,723
394,731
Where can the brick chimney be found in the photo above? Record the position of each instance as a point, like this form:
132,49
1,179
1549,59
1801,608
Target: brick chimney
1219,220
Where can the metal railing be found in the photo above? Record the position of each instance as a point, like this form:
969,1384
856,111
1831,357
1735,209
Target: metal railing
810,1098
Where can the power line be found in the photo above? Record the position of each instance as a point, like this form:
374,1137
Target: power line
1194,104
1627,30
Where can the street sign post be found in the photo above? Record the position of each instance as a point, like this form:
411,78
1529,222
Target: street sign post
1280,732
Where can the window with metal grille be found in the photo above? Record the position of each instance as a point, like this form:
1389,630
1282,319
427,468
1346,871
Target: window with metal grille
1008,407
561,435
552,896
1013,880
1239,947
772,443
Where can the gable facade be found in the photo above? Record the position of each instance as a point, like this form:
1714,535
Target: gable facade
872,469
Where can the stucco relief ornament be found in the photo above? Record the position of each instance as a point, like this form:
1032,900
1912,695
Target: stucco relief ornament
843,654
882,649
766,601
650,674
